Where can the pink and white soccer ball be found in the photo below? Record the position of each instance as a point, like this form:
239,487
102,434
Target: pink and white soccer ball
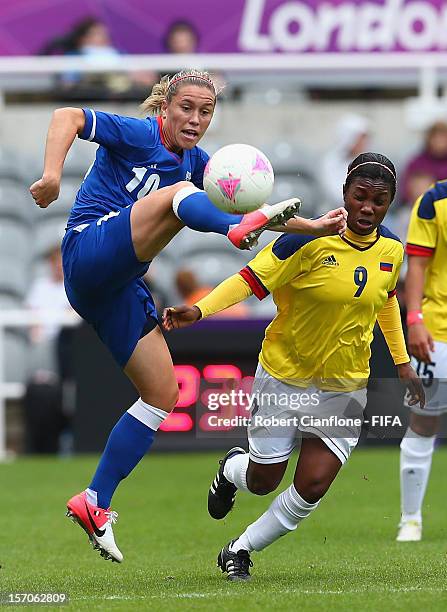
238,178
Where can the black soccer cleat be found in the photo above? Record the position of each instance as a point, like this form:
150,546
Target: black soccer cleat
237,565
222,492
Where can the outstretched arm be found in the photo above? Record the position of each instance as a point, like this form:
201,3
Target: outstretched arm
65,125
329,224
230,291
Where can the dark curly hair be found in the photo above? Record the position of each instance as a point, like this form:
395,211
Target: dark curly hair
373,166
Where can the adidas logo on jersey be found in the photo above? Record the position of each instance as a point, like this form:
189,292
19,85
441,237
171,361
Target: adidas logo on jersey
330,261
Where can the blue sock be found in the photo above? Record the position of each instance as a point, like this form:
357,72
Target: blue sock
199,213
128,442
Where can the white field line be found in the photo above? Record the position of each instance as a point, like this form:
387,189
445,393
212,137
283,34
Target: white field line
236,593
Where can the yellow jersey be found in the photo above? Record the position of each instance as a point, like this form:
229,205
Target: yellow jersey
427,237
328,292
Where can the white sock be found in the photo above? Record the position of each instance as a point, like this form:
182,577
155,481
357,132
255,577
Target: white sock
415,463
285,513
235,470
181,195
148,415
92,497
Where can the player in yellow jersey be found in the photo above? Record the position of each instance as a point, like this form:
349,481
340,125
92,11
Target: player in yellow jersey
329,292
426,297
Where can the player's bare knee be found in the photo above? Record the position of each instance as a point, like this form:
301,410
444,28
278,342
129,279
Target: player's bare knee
174,396
179,186
313,490
262,485
165,399
262,479
261,488
425,425
170,397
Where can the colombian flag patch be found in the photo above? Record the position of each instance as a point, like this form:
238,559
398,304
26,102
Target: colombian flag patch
386,267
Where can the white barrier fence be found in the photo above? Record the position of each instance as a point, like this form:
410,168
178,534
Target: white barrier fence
13,319
426,68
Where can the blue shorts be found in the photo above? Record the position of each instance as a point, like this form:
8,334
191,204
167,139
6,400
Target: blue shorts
103,282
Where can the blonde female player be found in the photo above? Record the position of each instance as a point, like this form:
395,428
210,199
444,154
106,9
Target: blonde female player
143,188
329,292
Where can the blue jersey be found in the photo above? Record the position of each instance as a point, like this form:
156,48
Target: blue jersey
131,161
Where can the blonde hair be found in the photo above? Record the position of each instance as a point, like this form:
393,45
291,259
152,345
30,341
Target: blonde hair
168,87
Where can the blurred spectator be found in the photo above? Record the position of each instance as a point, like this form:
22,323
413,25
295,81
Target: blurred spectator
191,291
398,219
47,296
181,37
351,138
188,286
87,37
90,37
431,161
46,413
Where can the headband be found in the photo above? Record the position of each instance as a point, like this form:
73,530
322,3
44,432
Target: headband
376,164
189,76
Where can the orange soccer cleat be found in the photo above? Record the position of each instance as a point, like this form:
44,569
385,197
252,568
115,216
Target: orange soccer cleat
97,523
245,234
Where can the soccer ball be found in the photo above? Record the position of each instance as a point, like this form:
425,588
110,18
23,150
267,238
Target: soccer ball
238,178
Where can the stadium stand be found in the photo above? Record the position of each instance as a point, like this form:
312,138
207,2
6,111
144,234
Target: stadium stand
69,188
14,240
13,276
79,158
211,268
14,201
48,232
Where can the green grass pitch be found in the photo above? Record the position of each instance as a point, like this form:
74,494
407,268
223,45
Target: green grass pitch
343,558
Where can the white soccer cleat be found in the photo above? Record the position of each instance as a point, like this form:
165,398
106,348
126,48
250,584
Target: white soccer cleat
409,531
97,523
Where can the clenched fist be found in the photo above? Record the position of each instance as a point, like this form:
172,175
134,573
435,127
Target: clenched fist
45,191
